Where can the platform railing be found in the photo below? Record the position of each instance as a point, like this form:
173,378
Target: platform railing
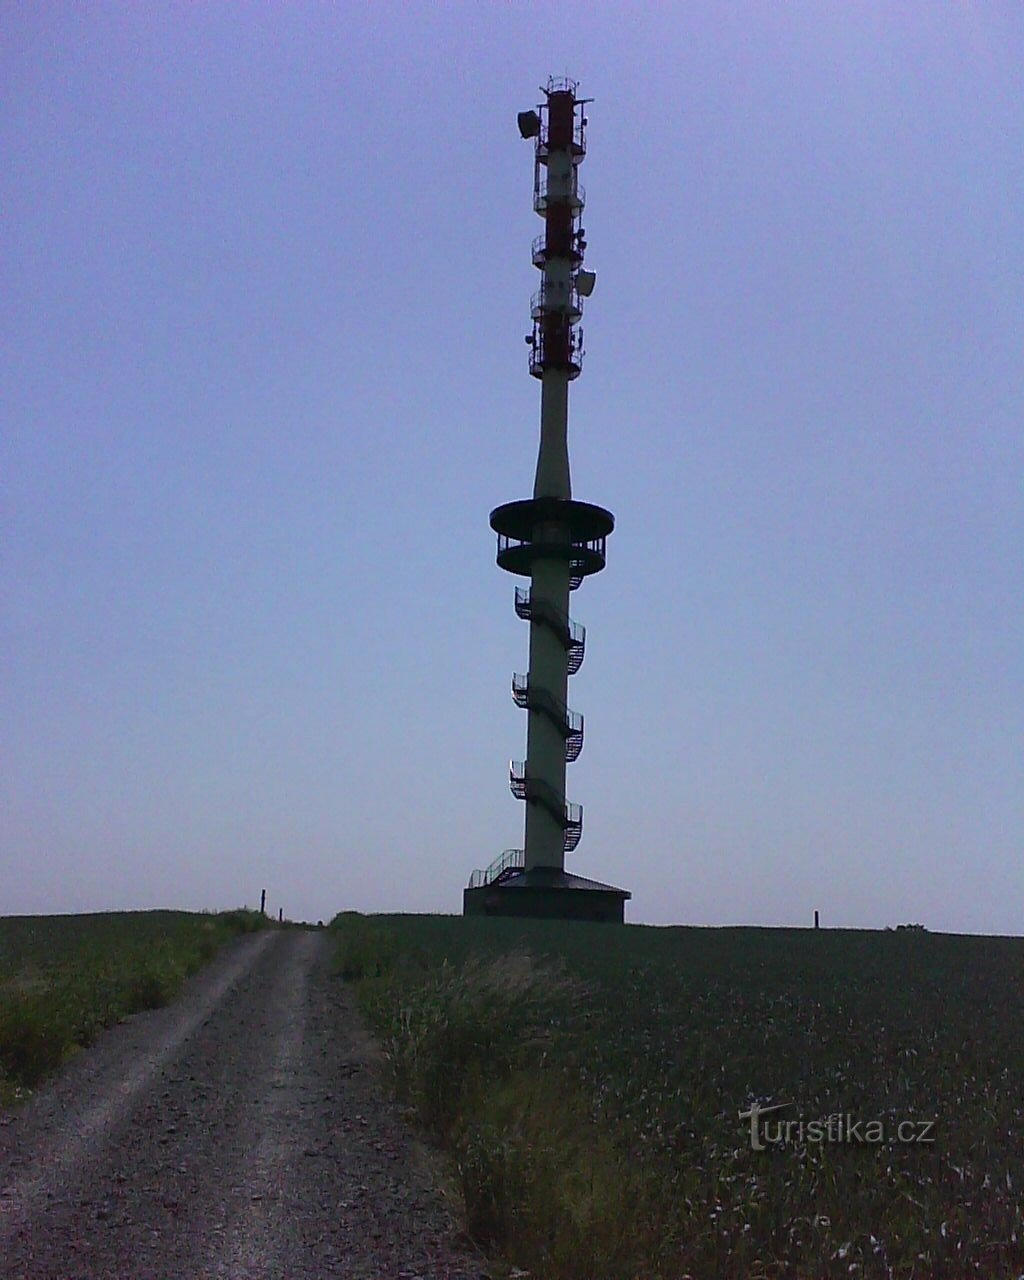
539,248
561,299
575,197
506,543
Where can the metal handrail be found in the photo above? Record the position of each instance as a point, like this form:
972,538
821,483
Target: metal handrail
540,792
562,84
570,721
505,861
544,610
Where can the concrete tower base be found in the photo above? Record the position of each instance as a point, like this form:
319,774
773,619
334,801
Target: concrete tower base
547,893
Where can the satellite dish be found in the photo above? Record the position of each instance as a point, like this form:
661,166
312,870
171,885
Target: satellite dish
529,124
585,281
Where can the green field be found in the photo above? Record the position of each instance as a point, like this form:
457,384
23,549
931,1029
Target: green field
64,978
587,1081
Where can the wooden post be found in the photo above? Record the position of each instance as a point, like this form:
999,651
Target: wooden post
816,920
263,902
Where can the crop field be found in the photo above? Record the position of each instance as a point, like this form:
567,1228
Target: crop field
64,978
588,1082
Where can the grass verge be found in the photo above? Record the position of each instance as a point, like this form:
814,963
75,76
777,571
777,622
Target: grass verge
469,1046
64,978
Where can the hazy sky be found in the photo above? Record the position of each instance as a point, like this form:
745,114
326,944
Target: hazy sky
265,282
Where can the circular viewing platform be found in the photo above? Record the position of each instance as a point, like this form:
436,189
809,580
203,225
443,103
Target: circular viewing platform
552,528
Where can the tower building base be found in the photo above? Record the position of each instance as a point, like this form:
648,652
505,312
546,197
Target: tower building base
547,893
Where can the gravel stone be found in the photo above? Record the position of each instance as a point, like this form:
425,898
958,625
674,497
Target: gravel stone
215,1138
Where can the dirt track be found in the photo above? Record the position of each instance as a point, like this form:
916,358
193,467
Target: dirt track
241,1132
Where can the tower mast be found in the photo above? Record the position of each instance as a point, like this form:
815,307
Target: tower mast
556,542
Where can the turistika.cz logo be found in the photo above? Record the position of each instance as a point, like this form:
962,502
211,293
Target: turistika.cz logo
840,1129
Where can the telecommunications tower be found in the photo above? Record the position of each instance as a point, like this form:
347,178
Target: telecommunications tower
555,541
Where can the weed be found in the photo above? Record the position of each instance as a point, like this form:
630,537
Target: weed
35,1032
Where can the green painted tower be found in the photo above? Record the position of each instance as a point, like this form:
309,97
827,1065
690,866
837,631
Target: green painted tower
555,541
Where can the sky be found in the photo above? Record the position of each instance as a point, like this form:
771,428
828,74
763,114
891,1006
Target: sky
265,282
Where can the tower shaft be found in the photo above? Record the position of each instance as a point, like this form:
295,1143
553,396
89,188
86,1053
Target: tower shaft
548,682
553,479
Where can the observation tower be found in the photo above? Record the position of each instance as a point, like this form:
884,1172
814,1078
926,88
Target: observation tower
555,541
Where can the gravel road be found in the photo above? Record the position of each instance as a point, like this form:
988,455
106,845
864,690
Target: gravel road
241,1132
